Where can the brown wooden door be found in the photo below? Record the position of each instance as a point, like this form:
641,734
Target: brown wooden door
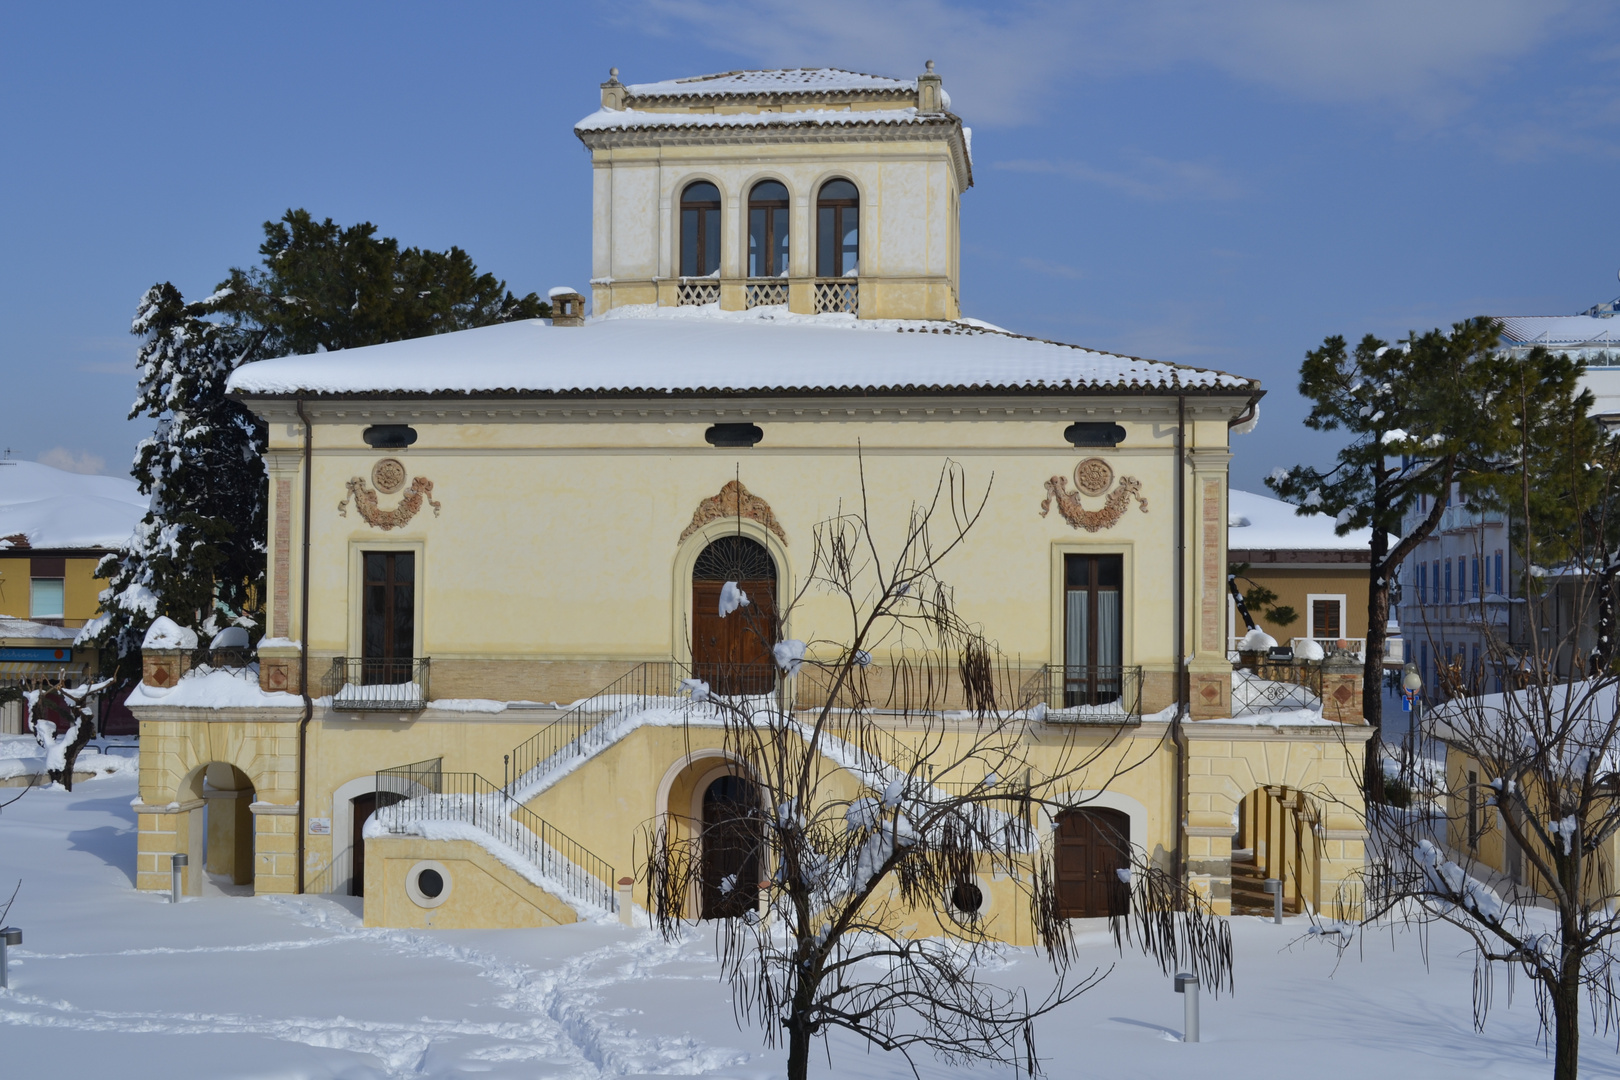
1091,849
731,843
364,806
733,654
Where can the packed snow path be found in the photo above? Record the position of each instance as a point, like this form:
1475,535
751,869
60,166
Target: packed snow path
110,982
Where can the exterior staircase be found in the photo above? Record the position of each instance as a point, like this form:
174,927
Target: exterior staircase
1249,896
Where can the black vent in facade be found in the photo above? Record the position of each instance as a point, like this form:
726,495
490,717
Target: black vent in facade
733,434
1092,434
389,436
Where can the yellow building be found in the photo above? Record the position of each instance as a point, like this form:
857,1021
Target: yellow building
467,528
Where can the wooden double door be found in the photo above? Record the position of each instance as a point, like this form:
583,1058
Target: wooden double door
732,839
1092,847
732,653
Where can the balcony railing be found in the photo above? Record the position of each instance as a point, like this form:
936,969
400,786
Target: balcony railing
1270,687
765,292
377,685
1088,694
837,294
695,292
425,792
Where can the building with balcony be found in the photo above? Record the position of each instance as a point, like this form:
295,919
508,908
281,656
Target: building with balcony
497,556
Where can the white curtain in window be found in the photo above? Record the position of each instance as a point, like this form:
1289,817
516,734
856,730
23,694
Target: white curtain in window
1108,629
1076,630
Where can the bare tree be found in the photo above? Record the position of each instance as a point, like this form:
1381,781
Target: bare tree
874,796
1514,840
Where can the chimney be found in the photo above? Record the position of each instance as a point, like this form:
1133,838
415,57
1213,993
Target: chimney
613,91
567,307
929,99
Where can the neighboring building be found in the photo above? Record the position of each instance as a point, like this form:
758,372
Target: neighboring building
1321,575
535,511
1459,599
55,526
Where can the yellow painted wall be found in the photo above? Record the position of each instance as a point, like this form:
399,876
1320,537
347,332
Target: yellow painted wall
81,588
1293,587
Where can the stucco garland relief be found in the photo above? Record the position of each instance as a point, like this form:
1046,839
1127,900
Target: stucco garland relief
1092,477
734,500
389,476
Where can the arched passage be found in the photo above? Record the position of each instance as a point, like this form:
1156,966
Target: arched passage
1275,838
731,645
1091,845
732,838
228,849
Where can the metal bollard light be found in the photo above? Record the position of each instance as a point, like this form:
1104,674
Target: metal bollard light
177,867
1187,985
1273,886
9,936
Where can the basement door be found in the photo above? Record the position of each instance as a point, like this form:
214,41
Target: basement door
1092,847
364,806
731,843
733,654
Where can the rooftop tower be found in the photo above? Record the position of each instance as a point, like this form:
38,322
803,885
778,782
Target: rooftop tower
818,189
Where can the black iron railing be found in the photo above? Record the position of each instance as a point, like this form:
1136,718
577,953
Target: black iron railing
386,685
1087,694
1267,687
587,726
427,793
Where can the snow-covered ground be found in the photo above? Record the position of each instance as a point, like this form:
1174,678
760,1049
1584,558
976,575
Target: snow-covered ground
291,987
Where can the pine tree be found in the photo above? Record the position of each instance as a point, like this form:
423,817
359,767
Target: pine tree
324,287
198,556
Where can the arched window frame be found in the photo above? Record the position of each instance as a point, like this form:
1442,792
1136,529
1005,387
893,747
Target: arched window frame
768,230
833,260
699,250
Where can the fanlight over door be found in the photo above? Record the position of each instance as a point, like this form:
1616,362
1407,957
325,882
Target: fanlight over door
733,654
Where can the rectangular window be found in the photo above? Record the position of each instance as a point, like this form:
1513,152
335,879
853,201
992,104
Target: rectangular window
389,631
46,598
1448,581
1327,617
1478,592
1423,583
1424,649
1092,628
1499,591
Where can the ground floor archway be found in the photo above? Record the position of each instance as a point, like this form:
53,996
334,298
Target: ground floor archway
733,836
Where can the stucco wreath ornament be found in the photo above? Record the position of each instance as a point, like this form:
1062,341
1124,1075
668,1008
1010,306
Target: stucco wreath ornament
389,476
1092,477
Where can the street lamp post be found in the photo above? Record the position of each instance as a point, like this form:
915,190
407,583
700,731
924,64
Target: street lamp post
1412,686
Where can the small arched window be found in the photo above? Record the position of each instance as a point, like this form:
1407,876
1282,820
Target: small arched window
700,230
838,230
768,230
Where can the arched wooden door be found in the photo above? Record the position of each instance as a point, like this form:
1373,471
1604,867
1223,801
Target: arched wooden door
731,846
1092,847
733,653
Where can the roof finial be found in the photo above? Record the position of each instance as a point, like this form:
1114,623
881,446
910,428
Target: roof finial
929,66
613,73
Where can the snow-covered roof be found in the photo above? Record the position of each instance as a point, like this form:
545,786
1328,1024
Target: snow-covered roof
1259,522
781,81
51,508
1554,330
644,349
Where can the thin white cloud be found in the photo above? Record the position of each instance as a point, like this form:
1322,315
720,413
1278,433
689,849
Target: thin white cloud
61,457
1152,178
1048,268
1015,62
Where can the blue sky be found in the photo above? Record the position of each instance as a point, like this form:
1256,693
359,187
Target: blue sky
1216,182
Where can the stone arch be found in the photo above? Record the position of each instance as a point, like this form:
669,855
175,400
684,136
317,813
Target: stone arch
680,797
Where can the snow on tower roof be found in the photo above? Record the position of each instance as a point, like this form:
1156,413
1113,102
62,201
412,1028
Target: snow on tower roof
639,350
779,81
51,508
626,119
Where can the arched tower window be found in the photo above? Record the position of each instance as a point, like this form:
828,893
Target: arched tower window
700,229
768,230
838,230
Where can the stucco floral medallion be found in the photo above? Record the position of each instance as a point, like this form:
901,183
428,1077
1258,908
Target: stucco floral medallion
1093,477
735,500
389,476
